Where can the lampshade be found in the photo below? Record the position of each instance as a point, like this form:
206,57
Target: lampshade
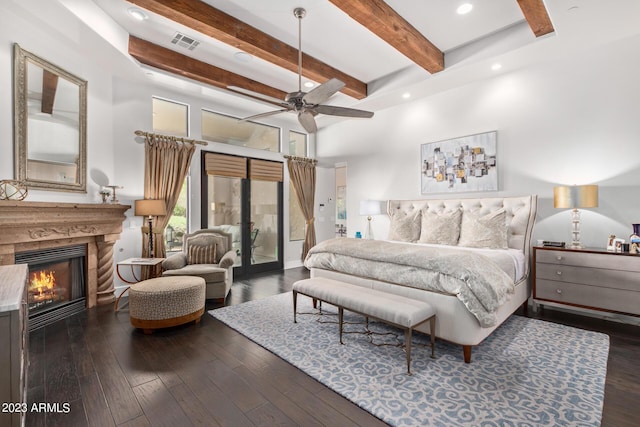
576,196
370,207
147,207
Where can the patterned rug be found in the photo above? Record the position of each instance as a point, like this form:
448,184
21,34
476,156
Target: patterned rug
527,373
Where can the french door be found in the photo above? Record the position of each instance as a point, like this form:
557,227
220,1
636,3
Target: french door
243,197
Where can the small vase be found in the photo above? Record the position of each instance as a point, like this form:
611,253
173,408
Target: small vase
105,196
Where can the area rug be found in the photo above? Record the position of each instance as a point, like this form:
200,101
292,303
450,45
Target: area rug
527,373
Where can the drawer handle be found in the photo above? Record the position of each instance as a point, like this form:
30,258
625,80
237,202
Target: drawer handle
559,273
559,291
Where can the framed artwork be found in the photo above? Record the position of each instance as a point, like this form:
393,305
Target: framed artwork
462,164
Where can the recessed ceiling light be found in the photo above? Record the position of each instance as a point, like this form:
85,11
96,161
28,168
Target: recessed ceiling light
406,95
243,56
496,66
137,13
464,8
309,84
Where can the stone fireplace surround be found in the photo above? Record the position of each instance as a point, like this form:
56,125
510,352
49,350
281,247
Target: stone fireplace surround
28,226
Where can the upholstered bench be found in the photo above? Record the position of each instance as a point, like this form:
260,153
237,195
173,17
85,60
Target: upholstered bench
166,301
395,310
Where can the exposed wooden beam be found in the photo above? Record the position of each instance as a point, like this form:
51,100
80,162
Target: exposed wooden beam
214,23
383,21
174,62
536,15
49,88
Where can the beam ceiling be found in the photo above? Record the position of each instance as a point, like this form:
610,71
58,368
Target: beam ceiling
174,62
379,18
536,15
214,23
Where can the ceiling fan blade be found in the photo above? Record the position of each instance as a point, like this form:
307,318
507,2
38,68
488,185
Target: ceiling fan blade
269,113
333,110
307,121
258,96
323,92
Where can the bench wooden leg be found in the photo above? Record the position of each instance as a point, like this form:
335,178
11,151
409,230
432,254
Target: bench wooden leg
407,344
466,350
340,319
432,324
295,306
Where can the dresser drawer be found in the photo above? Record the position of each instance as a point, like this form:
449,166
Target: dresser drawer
619,300
616,279
585,259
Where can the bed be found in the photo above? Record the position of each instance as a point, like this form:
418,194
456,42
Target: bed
468,258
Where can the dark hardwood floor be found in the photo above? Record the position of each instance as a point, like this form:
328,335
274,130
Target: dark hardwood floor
209,375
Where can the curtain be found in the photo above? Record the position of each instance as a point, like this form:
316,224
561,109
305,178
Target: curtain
166,166
302,172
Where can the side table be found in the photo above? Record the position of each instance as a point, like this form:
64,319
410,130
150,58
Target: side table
155,265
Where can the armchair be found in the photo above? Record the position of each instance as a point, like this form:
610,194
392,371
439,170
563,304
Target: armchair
207,254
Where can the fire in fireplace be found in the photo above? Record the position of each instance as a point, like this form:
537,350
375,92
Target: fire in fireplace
56,283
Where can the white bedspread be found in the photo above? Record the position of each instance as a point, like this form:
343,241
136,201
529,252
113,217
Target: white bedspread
477,281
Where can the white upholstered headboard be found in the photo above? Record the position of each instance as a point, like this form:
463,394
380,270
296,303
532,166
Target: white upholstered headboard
520,213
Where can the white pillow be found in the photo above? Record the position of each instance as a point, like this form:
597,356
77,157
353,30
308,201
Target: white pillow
405,227
442,228
488,231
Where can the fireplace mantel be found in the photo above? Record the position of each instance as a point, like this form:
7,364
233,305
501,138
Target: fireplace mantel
27,226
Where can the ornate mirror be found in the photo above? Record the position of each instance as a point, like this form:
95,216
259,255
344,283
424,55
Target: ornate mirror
50,108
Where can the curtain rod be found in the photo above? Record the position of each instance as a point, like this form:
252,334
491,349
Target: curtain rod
177,138
301,159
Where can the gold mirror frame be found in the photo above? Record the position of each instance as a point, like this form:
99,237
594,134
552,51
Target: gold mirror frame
21,59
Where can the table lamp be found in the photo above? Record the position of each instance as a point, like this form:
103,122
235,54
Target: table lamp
370,207
574,197
150,208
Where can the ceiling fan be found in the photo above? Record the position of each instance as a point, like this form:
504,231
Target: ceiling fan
306,104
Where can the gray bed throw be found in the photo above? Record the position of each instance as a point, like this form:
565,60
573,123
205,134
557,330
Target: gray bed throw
474,279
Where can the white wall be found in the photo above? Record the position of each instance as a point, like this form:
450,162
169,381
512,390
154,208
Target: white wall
572,121
49,31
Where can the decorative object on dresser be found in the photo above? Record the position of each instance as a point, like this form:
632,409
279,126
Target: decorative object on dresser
574,197
369,208
150,208
588,278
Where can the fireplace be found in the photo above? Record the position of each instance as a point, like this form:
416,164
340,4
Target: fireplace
57,283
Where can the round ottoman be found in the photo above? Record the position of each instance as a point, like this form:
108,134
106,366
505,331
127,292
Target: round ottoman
166,301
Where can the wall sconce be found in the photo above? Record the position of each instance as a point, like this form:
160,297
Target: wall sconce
574,197
150,208
368,208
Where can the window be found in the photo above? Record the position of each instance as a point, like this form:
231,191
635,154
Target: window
220,128
297,147
172,118
297,144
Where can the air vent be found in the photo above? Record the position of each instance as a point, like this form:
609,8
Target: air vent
184,41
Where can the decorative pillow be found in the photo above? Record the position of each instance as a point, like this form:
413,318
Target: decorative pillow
442,229
488,231
405,227
202,254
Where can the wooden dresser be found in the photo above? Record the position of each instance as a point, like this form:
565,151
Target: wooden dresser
588,278
13,350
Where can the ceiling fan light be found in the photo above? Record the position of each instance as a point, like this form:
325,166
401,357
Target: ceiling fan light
496,66
137,14
464,8
309,84
406,95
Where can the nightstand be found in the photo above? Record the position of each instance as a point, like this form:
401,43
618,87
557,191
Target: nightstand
588,278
